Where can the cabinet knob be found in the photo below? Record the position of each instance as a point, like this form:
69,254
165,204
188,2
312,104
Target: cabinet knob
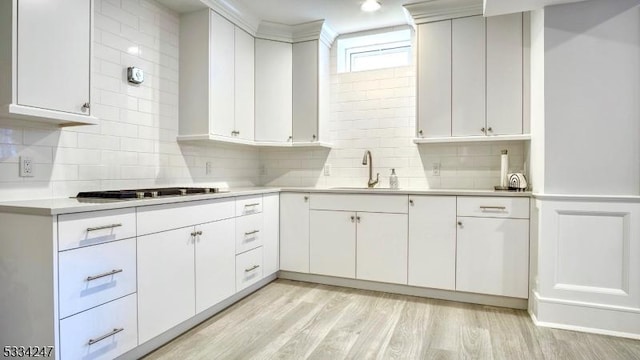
314,137
411,202
420,132
290,138
358,218
483,130
306,198
199,232
86,106
235,132
194,233
459,223
490,129
353,218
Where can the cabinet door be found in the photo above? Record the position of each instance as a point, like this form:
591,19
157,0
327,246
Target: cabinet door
294,232
382,247
305,91
215,263
273,90
468,77
222,80
434,79
54,39
332,249
244,80
504,74
432,242
166,287
493,256
271,233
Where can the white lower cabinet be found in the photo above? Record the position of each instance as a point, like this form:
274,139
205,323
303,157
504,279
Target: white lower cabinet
332,244
294,232
248,268
271,233
493,256
215,263
104,332
166,286
432,241
382,247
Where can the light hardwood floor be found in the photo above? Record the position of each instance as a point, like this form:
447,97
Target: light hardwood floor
297,320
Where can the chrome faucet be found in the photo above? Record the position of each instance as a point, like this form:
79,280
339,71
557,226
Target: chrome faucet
371,182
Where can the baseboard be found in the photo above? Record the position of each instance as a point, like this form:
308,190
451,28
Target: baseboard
167,336
572,316
458,296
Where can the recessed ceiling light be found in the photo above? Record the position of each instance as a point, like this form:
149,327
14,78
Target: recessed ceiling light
370,6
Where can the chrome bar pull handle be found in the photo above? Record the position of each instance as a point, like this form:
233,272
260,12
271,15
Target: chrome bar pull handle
98,339
250,205
251,232
112,272
251,268
110,226
493,208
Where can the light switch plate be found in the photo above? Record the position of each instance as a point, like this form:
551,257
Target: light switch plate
327,169
435,170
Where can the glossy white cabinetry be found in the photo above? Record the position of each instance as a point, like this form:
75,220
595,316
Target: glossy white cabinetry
503,207
382,247
166,284
248,232
294,232
470,79
248,268
271,233
216,79
432,241
215,261
274,91
332,245
46,61
92,228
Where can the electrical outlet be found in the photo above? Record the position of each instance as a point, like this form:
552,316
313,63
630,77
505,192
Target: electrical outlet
263,170
435,170
207,168
26,166
327,169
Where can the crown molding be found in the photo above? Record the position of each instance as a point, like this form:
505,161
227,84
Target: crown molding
275,31
436,10
314,30
235,12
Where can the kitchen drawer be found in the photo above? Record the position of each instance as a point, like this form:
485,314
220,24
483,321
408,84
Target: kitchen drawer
357,202
247,205
248,268
248,232
111,267
495,207
88,335
153,219
90,228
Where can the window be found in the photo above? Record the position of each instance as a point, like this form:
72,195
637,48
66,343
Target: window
374,51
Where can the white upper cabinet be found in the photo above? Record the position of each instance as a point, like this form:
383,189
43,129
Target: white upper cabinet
274,91
305,91
470,79
45,57
216,79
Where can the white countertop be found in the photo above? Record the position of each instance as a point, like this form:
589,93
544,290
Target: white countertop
48,207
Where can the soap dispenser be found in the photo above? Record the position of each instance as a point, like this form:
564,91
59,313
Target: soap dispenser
393,179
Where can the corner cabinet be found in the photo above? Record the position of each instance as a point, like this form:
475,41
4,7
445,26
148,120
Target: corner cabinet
216,79
470,78
45,61
294,232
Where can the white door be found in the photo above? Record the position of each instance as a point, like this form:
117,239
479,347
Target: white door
273,103
222,80
305,91
215,256
166,286
244,84
54,53
271,233
332,249
468,77
294,232
434,79
504,74
493,256
382,247
432,241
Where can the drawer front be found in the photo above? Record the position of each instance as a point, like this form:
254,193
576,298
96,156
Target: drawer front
110,328
95,227
94,275
495,207
153,219
248,232
248,268
247,205
398,204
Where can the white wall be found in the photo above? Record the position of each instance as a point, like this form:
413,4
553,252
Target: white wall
537,101
134,144
376,110
592,98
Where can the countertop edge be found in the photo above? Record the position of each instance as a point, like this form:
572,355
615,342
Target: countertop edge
449,192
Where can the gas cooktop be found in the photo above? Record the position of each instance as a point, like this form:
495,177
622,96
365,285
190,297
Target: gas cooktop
146,193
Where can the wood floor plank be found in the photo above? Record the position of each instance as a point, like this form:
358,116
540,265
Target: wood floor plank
297,320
